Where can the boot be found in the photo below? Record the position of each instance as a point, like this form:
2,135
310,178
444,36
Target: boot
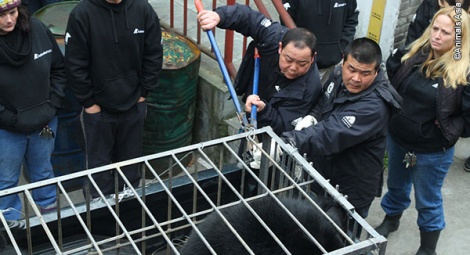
389,225
428,242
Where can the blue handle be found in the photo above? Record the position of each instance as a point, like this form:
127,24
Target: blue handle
254,120
227,79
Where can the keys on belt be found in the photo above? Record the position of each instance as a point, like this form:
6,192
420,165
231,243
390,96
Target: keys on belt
410,159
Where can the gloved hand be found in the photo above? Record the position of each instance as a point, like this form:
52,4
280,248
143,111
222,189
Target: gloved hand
306,122
257,154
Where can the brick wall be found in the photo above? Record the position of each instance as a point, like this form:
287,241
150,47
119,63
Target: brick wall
407,11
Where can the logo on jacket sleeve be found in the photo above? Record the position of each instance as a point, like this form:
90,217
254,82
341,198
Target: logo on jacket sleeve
138,31
287,6
329,89
349,121
337,5
266,22
67,37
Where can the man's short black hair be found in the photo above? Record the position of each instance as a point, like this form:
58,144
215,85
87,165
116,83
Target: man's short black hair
301,38
365,51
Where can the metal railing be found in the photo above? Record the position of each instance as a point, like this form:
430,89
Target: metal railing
181,19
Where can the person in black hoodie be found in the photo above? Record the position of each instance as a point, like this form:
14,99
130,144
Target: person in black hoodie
333,23
113,56
31,90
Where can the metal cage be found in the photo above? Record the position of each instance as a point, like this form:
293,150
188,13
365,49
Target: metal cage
158,216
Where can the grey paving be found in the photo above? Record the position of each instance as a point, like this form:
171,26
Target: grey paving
454,238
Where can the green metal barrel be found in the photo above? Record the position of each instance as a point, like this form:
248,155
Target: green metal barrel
171,107
55,17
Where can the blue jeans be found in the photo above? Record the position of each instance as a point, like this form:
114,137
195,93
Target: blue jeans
35,152
427,177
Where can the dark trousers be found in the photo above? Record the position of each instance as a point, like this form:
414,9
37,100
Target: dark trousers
110,138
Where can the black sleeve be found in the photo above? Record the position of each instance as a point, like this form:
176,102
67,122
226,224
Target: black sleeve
153,54
393,63
466,111
58,80
350,23
249,22
77,61
421,20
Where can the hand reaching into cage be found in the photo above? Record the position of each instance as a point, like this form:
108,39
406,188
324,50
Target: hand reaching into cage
274,153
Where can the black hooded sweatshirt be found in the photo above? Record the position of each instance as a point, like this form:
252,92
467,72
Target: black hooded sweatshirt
113,52
332,22
32,78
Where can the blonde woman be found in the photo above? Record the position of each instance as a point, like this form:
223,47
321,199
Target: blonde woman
431,77
424,14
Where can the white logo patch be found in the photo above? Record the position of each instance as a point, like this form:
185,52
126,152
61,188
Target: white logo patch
36,56
278,88
266,22
329,89
137,31
67,36
287,6
435,85
349,121
339,5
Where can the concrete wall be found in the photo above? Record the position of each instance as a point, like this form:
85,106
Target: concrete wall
406,15
388,24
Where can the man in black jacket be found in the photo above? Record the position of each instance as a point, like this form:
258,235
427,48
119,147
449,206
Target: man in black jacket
289,83
347,145
113,56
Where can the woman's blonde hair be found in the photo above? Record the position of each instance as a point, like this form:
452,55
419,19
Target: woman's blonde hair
454,65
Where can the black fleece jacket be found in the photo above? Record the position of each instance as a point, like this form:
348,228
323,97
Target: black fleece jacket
113,52
32,92
348,144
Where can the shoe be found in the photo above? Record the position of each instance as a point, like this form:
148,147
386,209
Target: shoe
125,193
428,242
466,166
389,225
99,199
13,225
48,208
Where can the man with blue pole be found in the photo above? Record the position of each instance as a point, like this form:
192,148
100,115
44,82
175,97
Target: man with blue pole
289,79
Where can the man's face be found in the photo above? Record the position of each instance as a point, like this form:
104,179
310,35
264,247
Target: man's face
357,76
8,20
294,62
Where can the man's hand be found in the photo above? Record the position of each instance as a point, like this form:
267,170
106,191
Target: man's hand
208,19
254,100
306,122
93,109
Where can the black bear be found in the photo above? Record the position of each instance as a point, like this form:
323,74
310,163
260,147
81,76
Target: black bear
223,241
